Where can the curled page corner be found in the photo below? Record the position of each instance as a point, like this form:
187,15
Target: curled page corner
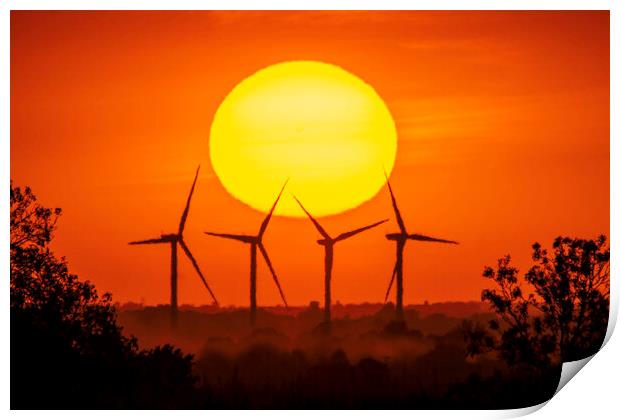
519,412
613,315
569,370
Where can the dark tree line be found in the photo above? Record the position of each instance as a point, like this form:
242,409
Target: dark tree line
67,351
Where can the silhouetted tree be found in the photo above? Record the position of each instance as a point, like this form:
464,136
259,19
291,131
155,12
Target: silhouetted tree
41,283
560,313
66,347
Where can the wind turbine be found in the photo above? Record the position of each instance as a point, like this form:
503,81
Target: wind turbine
255,242
401,239
328,243
175,239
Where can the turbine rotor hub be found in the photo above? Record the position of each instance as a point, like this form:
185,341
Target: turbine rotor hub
396,236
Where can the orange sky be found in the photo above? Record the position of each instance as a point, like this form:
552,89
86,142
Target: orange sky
502,118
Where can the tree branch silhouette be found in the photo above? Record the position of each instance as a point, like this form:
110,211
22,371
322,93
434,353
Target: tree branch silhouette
564,317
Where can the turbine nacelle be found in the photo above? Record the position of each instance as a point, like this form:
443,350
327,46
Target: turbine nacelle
400,236
327,240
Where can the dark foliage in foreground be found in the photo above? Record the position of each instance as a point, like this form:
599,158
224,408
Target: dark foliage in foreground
559,314
67,350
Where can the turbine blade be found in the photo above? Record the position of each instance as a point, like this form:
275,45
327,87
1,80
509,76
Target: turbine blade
150,241
242,238
356,231
387,294
189,199
418,237
314,221
263,226
197,268
273,273
399,219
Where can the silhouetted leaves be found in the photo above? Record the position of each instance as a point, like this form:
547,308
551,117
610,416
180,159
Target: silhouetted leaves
564,317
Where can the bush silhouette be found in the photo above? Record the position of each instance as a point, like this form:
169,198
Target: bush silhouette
67,350
560,314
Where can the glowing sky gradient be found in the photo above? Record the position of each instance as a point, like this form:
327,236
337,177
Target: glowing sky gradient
502,120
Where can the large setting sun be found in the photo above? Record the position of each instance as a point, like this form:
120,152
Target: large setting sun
319,126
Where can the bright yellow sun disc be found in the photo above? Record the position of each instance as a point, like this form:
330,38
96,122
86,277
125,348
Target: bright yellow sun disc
319,126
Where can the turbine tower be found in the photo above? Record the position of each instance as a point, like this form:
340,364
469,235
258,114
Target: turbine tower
328,243
257,242
175,239
401,239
